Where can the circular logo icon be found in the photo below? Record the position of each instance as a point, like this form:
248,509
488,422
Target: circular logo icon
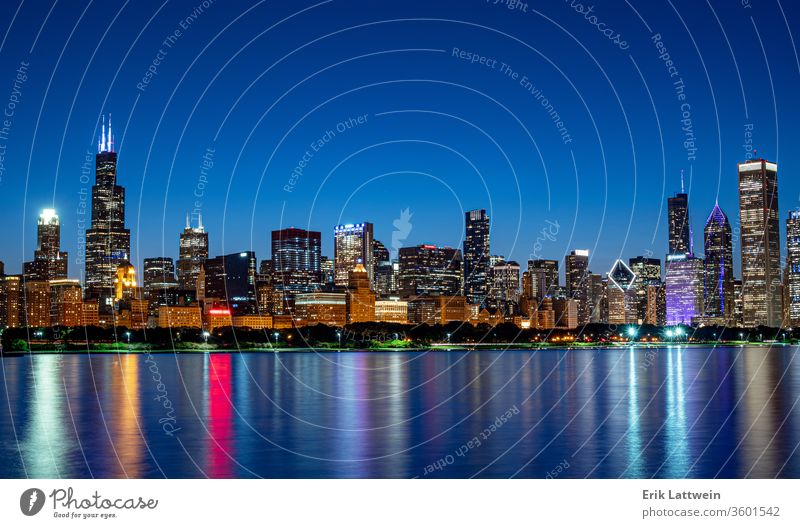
31,501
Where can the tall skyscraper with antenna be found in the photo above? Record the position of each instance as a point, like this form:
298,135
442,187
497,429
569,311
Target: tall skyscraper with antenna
108,242
192,253
680,230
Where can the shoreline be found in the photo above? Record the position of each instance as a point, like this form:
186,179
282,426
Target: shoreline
438,347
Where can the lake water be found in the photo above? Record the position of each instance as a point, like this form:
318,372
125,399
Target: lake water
667,412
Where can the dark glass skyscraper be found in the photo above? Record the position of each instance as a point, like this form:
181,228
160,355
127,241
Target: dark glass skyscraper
680,230
296,256
680,227
476,256
232,279
760,243
578,285
428,270
192,254
108,242
544,277
718,288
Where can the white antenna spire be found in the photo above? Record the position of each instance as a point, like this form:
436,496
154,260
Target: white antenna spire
200,221
682,187
187,221
102,146
110,137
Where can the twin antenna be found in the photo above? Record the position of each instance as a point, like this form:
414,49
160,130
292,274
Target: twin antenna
106,142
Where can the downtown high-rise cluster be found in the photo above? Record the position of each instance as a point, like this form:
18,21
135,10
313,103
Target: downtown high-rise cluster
364,282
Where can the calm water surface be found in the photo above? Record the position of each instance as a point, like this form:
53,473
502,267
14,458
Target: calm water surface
661,412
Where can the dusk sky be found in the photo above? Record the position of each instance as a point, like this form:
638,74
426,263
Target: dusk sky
415,123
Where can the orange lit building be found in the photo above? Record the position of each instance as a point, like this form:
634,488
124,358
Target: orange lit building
66,302
217,317
180,317
37,303
256,322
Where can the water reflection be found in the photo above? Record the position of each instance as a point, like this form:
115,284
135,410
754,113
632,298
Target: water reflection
634,412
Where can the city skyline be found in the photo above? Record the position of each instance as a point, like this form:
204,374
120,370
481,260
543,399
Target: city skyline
193,242
431,282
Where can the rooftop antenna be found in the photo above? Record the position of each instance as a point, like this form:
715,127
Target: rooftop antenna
200,221
110,137
101,147
682,188
187,221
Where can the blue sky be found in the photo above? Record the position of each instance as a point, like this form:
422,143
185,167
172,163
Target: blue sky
395,105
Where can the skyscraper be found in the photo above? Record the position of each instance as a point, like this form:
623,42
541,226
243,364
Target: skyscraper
578,284
352,245
231,279
625,306
793,267
544,277
108,242
158,274
684,289
360,297
428,270
718,268
49,262
192,254
296,260
476,256
159,283
505,281
648,273
760,243
680,230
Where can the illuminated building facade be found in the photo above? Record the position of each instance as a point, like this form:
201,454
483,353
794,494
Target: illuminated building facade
296,261
49,262
760,243
428,270
793,268
66,302
504,281
680,229
37,303
180,317
321,308
578,284
108,242
437,310
719,297
648,273
544,277
352,245
12,313
192,254
391,311
476,256
360,297
684,289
